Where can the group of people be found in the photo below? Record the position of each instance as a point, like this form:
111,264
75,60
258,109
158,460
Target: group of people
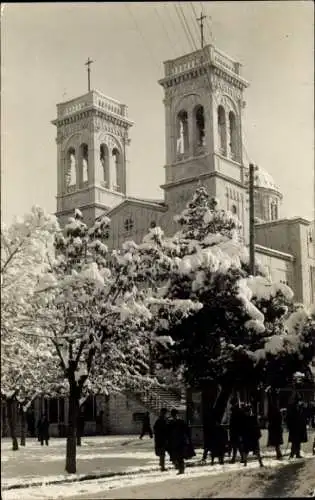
245,433
242,435
172,436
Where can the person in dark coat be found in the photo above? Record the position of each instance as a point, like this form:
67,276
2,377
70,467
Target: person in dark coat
296,421
215,442
31,423
43,430
146,426
236,418
180,445
250,435
160,430
275,430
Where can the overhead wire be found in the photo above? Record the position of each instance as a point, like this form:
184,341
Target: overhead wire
152,57
208,25
168,11
188,27
187,34
165,29
190,38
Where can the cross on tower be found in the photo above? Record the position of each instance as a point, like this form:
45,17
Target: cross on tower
200,20
88,63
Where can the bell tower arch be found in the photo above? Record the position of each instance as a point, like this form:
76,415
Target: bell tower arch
92,143
203,99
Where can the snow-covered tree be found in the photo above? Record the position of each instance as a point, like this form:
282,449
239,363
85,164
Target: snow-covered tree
26,247
99,320
207,263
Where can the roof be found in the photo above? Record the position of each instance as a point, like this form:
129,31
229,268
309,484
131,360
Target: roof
264,180
152,204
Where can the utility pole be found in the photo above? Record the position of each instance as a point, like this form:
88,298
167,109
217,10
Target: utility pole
200,20
88,63
251,186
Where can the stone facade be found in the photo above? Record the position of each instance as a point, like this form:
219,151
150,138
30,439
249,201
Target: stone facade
203,100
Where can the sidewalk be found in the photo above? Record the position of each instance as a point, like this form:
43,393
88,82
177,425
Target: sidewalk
98,457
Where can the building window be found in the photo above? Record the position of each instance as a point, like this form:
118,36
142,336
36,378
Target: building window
200,126
182,144
115,160
234,209
104,159
274,210
128,224
222,130
89,408
233,135
70,174
53,410
84,150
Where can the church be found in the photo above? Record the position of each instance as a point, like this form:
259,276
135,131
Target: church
203,100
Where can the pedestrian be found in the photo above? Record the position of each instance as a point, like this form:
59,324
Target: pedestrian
275,429
146,426
297,425
180,445
30,417
43,429
250,436
160,430
237,415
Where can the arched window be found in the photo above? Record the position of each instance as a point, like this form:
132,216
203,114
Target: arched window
222,130
84,150
114,170
233,135
274,210
104,160
182,143
200,126
70,173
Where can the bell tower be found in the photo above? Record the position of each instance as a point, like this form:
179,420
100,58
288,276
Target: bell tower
203,99
92,141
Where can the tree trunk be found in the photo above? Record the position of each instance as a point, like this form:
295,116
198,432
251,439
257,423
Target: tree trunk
78,439
23,428
11,405
72,429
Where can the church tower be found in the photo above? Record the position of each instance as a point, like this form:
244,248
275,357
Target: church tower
92,141
203,98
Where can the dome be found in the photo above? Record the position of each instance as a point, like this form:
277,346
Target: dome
264,180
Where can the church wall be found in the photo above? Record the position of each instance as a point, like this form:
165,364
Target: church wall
189,168
279,269
291,236
228,167
233,198
121,415
141,217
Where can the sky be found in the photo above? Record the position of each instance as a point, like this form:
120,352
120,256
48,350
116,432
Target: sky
45,45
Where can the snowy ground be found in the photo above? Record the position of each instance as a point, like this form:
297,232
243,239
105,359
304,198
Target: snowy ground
130,466
204,481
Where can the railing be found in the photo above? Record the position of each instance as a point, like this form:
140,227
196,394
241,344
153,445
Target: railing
155,396
198,58
93,98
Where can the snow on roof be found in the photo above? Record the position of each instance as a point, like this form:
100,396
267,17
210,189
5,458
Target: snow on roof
264,180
